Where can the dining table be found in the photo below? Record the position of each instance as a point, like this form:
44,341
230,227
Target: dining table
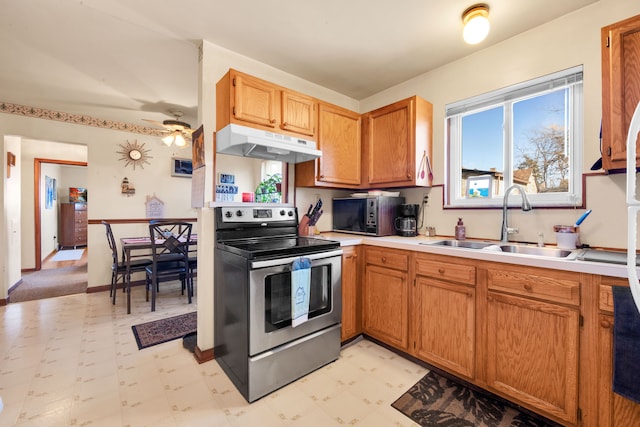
139,247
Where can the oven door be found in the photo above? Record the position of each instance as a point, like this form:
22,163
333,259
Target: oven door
270,299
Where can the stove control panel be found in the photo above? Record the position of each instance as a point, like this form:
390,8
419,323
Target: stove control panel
257,214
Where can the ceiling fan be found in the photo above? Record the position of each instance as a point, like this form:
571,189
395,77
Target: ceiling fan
175,131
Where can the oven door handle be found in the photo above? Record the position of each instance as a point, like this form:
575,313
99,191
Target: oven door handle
289,260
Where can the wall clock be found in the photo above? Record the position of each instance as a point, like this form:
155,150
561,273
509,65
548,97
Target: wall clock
134,154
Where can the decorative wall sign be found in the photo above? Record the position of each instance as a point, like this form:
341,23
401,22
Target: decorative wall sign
127,188
155,207
134,154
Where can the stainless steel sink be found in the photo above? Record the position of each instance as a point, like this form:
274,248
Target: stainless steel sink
507,248
469,244
536,250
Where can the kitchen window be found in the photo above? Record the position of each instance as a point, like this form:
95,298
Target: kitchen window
528,134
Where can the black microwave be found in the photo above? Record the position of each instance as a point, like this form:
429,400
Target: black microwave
371,215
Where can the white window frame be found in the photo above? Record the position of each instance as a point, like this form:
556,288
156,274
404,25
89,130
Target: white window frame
571,79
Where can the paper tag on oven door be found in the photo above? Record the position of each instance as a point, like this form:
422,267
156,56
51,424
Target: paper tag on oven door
300,290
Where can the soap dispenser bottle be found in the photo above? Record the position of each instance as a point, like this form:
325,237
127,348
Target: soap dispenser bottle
460,230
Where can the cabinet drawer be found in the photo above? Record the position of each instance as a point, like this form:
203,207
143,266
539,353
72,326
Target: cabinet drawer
387,258
561,287
465,274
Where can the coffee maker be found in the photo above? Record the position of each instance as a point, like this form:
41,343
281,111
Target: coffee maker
406,224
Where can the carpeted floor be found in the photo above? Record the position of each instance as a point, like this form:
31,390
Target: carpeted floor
438,401
51,283
163,330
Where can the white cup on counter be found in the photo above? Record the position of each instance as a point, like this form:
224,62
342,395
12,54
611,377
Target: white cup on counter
567,236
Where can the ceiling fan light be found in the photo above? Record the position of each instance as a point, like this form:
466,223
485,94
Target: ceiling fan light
476,24
168,140
180,141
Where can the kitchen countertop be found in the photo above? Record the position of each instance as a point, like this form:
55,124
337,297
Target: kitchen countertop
420,244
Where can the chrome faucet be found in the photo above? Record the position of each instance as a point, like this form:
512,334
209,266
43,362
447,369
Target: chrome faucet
526,206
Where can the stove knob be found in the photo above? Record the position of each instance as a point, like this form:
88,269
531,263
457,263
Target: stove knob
290,213
282,212
228,214
239,213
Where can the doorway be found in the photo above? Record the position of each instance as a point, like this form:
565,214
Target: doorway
39,191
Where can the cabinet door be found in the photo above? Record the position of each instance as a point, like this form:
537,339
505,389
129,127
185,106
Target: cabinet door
444,325
398,144
615,410
389,148
386,306
298,113
254,101
339,140
350,306
532,353
620,88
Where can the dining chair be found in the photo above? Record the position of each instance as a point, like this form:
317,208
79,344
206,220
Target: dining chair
192,253
119,268
170,256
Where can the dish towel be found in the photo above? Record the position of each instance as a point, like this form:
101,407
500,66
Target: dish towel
626,344
300,289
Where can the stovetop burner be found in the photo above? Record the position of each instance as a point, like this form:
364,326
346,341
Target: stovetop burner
277,246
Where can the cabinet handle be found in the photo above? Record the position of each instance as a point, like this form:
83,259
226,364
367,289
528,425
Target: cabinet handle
605,323
383,259
285,124
409,176
441,270
272,121
528,287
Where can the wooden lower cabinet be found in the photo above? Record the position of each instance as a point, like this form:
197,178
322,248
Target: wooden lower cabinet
350,300
443,314
386,297
532,338
614,410
538,337
532,353
444,325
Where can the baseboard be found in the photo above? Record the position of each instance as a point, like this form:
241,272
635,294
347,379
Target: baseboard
103,288
3,302
202,356
14,286
95,289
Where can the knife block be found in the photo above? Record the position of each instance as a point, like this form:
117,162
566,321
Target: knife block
303,227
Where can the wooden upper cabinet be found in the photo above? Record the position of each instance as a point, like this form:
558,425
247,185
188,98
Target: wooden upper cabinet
340,141
620,88
246,100
398,144
298,113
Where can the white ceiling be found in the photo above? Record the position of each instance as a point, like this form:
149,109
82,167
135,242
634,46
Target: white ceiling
107,58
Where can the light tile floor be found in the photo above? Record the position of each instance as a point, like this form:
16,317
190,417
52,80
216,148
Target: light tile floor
73,361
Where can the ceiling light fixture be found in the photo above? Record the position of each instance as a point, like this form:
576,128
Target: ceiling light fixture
174,138
476,23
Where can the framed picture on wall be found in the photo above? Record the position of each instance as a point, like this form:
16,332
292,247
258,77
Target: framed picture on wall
77,195
181,167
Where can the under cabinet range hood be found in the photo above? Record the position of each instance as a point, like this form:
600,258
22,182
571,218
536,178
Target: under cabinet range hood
244,141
